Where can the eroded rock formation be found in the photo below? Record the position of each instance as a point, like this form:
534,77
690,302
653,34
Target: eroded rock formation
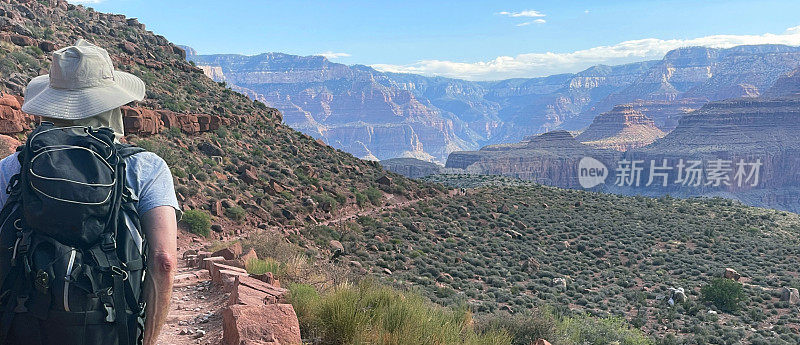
551,158
12,119
621,129
411,167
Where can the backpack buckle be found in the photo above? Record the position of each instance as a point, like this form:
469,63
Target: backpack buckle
24,241
109,243
109,313
12,183
116,270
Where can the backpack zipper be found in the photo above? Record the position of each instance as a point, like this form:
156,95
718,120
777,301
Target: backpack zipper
67,279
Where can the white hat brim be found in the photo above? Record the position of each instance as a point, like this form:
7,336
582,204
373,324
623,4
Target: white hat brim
43,100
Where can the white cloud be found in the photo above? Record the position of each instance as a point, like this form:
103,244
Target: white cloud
331,55
526,13
537,21
541,64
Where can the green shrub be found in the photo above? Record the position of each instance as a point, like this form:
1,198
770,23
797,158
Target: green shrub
304,298
236,213
373,314
524,328
197,221
724,293
262,266
374,195
584,329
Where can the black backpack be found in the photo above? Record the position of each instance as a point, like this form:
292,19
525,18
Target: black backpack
71,265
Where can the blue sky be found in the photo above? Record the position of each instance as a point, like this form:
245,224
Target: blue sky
477,40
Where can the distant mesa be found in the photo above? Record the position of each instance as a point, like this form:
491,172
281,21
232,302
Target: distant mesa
411,167
551,158
621,129
665,114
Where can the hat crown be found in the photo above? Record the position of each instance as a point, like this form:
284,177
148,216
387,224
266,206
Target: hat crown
81,66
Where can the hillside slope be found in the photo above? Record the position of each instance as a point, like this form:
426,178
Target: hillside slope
255,165
523,245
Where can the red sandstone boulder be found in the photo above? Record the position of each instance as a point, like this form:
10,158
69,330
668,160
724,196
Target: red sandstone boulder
249,176
188,123
277,294
8,145
251,255
231,252
169,118
216,268
274,324
128,47
10,101
47,46
140,121
12,119
21,40
209,261
730,273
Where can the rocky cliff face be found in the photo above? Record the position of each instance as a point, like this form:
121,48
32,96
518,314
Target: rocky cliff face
345,105
621,129
700,73
665,114
411,167
739,133
551,158
786,86
356,109
745,149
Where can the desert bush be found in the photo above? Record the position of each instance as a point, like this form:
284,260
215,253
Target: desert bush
724,293
374,195
584,329
262,266
524,328
197,221
369,313
236,213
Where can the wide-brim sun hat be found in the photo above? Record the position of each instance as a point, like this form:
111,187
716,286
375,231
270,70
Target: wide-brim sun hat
82,83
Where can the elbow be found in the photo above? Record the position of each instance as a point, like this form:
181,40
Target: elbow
163,264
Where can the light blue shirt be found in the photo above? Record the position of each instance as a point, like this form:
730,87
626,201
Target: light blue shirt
148,177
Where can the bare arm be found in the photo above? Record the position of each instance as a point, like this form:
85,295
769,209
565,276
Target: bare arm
161,229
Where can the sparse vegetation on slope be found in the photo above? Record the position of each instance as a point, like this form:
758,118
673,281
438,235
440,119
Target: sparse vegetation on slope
521,247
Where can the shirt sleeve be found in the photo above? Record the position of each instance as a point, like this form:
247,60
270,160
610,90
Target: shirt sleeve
151,179
9,167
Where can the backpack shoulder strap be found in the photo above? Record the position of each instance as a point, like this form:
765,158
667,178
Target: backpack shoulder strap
127,150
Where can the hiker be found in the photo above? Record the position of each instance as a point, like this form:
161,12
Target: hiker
84,216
